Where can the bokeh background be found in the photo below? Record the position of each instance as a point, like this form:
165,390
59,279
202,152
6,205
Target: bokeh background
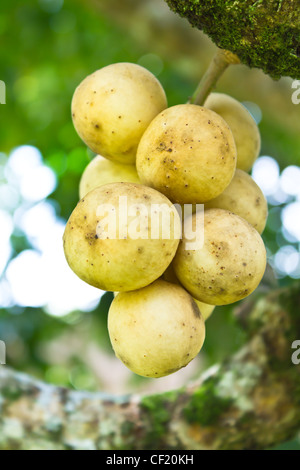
53,324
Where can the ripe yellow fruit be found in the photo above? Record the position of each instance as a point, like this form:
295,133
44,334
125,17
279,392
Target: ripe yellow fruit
115,251
157,330
245,198
112,108
229,266
205,309
244,128
101,171
187,153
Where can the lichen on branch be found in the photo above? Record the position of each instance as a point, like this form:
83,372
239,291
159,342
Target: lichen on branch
263,33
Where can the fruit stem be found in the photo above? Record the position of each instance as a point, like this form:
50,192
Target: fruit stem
217,67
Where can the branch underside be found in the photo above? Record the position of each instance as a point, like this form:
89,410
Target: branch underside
263,33
251,401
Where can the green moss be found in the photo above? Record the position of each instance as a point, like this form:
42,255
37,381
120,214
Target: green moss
127,428
263,33
205,406
158,409
11,393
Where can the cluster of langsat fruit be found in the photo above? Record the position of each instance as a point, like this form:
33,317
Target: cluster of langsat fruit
154,156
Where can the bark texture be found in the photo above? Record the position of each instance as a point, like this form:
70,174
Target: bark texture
263,33
251,401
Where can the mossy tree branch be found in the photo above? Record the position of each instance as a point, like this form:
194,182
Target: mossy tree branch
262,33
251,401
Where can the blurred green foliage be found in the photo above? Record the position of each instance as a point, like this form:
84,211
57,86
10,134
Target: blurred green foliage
48,47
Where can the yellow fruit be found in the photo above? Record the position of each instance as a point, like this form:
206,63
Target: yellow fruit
229,266
157,330
101,171
112,108
244,128
187,153
245,198
117,252
205,309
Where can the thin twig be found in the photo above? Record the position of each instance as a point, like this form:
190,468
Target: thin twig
217,67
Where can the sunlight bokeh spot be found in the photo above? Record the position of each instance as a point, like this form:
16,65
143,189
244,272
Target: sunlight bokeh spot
291,219
290,180
266,174
24,159
287,260
38,184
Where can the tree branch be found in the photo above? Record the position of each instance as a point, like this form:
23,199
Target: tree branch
251,401
262,33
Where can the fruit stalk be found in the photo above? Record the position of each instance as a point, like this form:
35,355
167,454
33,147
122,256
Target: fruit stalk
219,64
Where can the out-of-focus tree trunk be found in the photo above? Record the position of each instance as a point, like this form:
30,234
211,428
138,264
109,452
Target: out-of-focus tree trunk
251,401
263,33
152,22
